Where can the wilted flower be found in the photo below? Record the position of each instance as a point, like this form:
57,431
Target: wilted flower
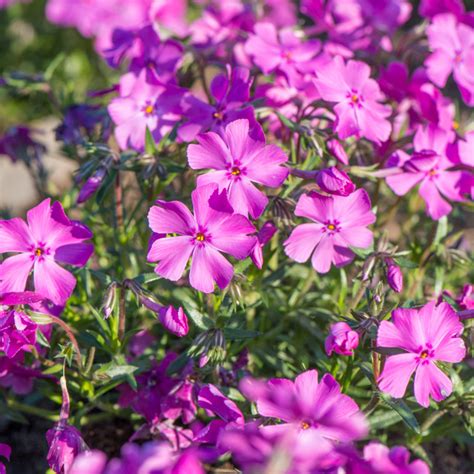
342,339
426,335
49,237
214,228
239,161
339,223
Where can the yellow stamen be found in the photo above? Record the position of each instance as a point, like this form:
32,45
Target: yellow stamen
218,115
235,171
331,227
149,109
455,124
355,98
200,237
424,355
305,425
38,252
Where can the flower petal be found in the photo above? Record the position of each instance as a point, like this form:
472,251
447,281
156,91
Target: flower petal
430,380
172,254
14,236
53,281
170,217
301,243
396,374
14,272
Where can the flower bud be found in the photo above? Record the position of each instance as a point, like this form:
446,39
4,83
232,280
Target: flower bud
334,181
108,302
394,276
264,235
65,441
341,339
174,320
337,150
91,185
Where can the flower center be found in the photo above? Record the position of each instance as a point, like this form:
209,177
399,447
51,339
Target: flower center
218,115
354,98
424,355
455,124
458,57
39,252
149,109
305,425
331,227
235,171
200,237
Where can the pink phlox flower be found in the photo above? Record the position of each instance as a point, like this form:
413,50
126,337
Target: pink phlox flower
338,223
47,239
266,232
143,105
428,166
357,98
213,229
452,44
239,161
426,336
307,405
281,51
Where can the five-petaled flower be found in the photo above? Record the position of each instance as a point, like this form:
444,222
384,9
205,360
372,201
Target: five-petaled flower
212,229
48,238
427,335
339,223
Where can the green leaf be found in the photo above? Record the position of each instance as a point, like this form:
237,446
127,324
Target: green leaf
441,230
150,145
236,334
362,253
405,262
53,65
403,410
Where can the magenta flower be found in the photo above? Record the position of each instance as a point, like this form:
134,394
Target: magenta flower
212,229
143,105
309,406
239,161
452,44
342,339
280,50
48,238
334,181
396,460
426,335
357,97
231,94
17,332
430,167
264,235
174,320
337,150
339,223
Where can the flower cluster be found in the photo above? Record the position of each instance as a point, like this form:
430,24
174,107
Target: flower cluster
265,239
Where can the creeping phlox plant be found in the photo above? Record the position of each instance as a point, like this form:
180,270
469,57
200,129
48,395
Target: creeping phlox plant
263,262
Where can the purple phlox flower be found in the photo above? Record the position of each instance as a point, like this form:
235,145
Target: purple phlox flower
172,319
431,8
427,335
280,13
309,406
65,441
155,457
342,339
140,342
215,402
338,224
230,93
83,121
394,275
452,44
264,235
239,161
5,452
357,98
430,167
143,105
396,460
17,332
466,298
92,184
160,59
220,25
18,144
282,50
212,229
48,238
160,396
